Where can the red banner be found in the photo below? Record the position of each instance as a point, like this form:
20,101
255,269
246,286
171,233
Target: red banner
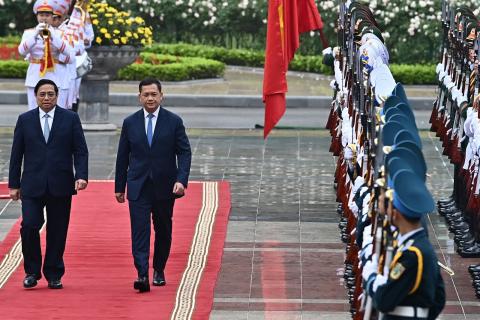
286,20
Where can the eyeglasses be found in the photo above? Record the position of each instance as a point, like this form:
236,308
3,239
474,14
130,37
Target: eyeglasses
47,94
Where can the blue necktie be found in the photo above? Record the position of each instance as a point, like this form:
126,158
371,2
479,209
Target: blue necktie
46,128
150,129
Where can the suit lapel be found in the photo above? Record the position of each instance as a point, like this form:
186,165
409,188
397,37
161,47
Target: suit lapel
141,125
57,119
37,125
158,125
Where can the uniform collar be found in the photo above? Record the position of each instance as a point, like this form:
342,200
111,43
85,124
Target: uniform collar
402,238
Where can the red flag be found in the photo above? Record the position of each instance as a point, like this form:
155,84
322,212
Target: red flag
286,20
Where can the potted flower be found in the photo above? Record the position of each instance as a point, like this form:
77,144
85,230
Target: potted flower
118,37
118,40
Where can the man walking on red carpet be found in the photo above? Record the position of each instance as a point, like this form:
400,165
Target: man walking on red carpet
49,141
153,162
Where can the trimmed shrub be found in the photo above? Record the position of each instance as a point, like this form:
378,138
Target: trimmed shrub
172,68
13,68
414,73
238,57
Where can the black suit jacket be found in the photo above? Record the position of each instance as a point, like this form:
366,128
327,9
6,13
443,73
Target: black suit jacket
166,161
48,166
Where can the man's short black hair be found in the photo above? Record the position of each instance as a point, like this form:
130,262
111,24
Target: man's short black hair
43,82
149,81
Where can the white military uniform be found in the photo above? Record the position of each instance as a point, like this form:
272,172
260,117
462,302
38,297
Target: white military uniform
32,47
80,29
65,61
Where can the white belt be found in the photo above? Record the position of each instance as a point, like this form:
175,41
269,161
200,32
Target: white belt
407,311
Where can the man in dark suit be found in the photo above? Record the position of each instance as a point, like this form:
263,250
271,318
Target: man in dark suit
153,161
50,142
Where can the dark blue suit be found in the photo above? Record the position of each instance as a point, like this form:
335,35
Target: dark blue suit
149,173
48,180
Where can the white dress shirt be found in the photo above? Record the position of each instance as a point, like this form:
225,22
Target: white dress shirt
154,120
51,113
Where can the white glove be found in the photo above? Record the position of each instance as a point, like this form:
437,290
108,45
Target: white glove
57,40
367,236
366,252
347,153
371,267
439,68
447,80
441,75
333,85
353,207
455,93
380,279
327,51
461,99
40,27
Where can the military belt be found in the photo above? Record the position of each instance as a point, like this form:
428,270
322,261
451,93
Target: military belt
409,311
39,61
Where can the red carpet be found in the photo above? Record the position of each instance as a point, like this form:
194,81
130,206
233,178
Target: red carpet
98,283
4,193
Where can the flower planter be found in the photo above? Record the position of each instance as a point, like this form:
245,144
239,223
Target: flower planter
94,91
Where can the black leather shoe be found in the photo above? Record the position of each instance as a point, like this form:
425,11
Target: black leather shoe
474,268
55,284
469,252
159,278
30,280
141,284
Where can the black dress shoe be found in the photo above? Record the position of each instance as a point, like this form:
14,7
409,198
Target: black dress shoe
474,268
141,284
55,284
30,280
465,243
159,278
469,252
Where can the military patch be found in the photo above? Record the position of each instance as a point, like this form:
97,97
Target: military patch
397,271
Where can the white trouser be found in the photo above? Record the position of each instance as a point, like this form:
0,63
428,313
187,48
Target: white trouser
63,98
32,100
78,81
72,95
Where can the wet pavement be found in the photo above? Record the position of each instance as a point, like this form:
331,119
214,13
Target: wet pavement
283,257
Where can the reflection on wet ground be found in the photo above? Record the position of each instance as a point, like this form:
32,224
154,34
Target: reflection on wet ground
283,257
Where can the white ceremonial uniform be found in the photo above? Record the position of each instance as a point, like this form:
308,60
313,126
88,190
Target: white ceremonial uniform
32,46
63,70
82,30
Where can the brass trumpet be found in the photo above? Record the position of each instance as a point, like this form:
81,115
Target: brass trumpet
45,32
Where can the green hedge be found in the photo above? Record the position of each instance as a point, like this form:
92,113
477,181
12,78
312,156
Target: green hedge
238,57
183,62
12,40
172,68
406,74
414,73
13,68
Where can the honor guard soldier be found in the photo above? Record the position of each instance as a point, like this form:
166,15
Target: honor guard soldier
413,288
81,33
60,10
43,46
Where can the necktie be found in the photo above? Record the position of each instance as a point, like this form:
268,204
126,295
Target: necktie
46,128
150,129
